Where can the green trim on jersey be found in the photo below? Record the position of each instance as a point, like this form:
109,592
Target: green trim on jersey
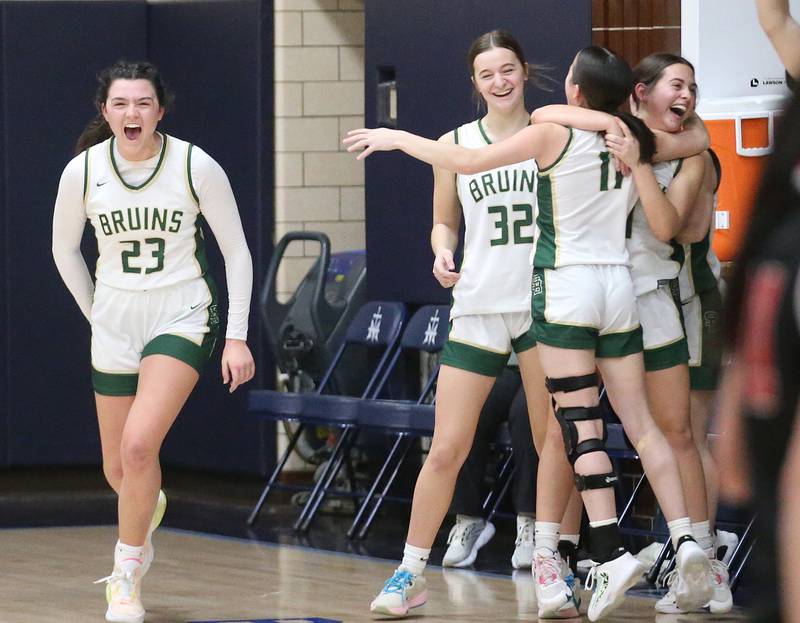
701,274
473,359
109,384
546,246
155,173
668,356
85,174
483,132
678,254
189,175
678,168
561,156
200,244
455,136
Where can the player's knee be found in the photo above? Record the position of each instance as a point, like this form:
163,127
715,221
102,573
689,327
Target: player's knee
137,455
446,456
680,438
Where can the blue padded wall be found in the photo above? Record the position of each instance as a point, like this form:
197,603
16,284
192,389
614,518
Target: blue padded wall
217,57
48,83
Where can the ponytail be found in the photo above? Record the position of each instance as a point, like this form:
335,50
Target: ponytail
96,131
643,134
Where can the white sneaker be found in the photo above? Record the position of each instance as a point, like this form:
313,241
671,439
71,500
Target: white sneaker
610,580
721,599
668,604
725,544
467,536
124,596
523,550
693,589
555,599
158,515
400,593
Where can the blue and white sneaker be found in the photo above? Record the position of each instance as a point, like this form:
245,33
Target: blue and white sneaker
401,592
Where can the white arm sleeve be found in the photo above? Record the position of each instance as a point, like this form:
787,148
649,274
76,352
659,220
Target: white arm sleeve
219,208
69,221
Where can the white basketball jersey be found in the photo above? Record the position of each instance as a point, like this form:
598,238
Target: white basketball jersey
499,212
651,259
583,204
148,236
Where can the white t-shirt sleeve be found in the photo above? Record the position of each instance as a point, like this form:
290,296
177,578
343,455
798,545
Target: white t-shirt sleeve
69,221
218,206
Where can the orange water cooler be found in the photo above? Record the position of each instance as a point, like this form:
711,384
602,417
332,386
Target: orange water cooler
742,133
742,91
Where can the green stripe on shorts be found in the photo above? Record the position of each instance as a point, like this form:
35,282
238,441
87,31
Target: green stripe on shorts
524,342
668,356
181,349
620,344
473,359
109,384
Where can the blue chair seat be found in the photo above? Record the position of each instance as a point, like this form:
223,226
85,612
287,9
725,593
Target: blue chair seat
326,409
279,405
397,415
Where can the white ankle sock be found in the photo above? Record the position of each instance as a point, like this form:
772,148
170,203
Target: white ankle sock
702,534
679,528
128,557
546,536
468,519
415,559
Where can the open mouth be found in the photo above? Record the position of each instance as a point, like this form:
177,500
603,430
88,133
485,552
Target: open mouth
679,110
132,131
503,93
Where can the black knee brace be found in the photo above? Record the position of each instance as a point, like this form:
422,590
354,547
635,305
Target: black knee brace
567,416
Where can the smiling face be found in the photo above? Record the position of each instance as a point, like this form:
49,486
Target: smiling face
667,104
132,111
499,77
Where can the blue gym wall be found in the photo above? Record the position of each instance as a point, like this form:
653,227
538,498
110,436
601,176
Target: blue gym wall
217,57
426,43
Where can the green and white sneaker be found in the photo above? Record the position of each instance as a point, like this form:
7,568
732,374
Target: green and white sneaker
401,592
610,581
158,515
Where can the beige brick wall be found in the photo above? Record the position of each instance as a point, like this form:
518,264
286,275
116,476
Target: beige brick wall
319,95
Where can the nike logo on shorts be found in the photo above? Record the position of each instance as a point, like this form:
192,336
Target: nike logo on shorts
104,182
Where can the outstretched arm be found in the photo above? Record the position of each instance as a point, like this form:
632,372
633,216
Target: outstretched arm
528,143
693,139
576,117
783,32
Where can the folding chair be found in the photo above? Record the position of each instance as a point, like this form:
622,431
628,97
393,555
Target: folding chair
505,472
405,420
376,326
